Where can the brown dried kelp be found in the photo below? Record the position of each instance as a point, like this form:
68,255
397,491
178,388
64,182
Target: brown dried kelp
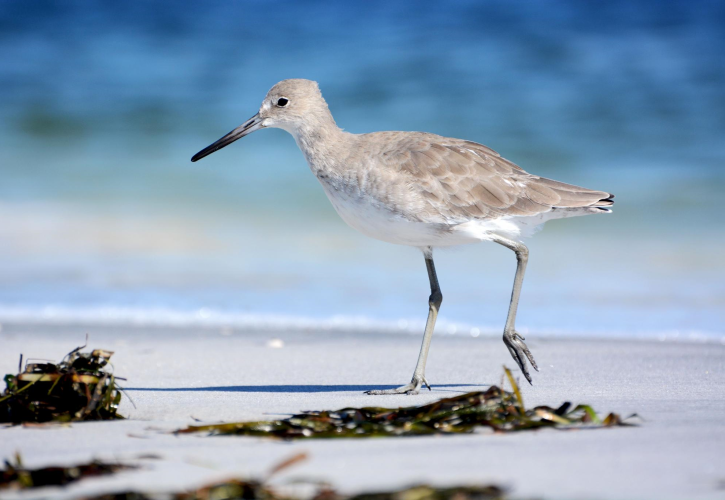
247,490
241,489
495,408
425,492
15,476
231,489
77,388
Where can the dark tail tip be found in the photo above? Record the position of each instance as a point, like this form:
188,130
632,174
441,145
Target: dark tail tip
606,202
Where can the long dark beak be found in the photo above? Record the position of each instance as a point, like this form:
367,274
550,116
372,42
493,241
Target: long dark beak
254,123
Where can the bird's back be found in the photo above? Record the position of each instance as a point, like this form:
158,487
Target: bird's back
453,181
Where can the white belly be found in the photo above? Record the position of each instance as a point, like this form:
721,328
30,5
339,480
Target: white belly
379,222
371,219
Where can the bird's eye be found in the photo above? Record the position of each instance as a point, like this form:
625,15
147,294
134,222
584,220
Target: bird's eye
282,102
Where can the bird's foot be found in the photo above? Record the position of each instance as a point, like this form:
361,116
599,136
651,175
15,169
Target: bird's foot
519,352
410,389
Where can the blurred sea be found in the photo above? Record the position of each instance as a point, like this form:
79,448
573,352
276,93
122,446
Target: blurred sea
104,219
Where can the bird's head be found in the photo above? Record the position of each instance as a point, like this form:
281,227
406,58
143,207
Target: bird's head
289,105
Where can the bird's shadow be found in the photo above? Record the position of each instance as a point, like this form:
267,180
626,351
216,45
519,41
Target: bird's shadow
292,388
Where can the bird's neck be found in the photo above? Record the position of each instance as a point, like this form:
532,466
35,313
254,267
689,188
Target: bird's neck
320,140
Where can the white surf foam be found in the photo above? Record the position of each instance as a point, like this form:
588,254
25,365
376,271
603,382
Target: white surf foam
259,322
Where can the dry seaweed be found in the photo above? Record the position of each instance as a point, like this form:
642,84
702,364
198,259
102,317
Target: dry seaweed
495,408
236,489
77,388
15,476
240,489
425,492
230,489
248,490
227,490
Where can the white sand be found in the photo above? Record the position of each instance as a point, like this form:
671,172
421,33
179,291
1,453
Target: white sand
174,375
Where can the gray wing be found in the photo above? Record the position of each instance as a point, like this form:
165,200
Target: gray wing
463,180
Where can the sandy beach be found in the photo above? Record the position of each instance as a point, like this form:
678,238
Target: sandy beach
179,376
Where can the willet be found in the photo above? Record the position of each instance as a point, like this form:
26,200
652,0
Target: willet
421,190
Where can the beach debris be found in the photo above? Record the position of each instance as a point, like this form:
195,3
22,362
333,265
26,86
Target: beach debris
239,489
248,490
244,489
497,409
15,476
426,492
229,489
78,388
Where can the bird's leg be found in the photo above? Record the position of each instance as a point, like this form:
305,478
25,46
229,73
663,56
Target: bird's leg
515,342
434,304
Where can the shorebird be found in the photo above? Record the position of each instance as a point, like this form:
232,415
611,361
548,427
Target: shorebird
421,190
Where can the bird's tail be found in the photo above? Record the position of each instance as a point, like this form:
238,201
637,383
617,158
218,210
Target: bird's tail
578,197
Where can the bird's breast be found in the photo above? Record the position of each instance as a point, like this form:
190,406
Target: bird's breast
373,217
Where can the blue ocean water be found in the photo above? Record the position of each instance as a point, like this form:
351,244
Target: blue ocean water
104,218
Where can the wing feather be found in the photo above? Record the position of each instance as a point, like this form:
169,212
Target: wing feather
463,180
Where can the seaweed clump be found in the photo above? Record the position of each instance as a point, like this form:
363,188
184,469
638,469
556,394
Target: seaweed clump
246,489
236,489
78,388
426,492
497,409
15,476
